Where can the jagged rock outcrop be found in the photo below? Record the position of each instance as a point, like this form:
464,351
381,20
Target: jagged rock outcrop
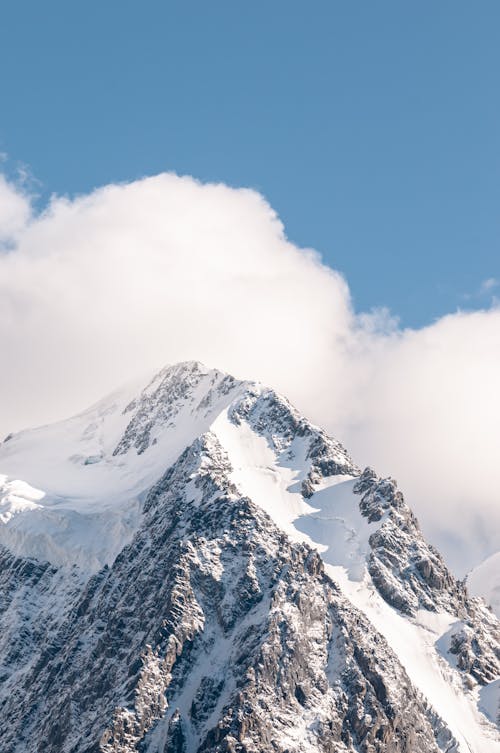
168,393
410,574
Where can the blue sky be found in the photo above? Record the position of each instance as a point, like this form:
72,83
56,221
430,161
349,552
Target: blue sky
371,127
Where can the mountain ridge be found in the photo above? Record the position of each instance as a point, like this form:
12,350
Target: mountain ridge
257,512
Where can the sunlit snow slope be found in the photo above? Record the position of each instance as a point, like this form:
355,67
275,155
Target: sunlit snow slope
71,492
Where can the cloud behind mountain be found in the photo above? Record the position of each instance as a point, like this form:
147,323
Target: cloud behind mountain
100,288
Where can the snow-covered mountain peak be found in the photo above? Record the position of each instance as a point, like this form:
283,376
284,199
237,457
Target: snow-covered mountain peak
173,408
215,574
186,392
94,469
90,472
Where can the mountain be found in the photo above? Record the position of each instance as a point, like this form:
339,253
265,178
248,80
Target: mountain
193,567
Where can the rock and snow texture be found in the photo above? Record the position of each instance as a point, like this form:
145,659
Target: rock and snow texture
194,567
91,473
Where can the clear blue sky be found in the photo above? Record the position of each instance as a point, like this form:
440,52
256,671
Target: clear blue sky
373,127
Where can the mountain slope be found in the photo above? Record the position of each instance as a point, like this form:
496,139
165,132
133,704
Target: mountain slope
88,476
266,596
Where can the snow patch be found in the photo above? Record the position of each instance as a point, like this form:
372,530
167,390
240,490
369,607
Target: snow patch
17,497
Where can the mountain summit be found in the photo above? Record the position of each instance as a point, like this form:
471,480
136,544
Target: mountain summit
194,567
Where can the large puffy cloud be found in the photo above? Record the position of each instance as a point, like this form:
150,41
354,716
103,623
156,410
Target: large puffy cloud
104,287
428,412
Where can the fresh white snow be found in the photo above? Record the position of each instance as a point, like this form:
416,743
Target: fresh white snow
78,503
17,497
276,488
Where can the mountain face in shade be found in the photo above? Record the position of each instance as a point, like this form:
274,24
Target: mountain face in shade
194,567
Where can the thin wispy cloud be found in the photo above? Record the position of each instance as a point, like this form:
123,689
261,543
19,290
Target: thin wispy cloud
488,285
484,291
98,289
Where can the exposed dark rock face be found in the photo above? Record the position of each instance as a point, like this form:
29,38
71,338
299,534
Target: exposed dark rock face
410,575
34,597
407,571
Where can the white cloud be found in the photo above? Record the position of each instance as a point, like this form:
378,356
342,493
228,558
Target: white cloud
15,211
484,291
105,286
488,285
